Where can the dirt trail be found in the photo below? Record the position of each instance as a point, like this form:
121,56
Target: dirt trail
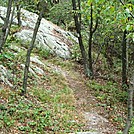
95,115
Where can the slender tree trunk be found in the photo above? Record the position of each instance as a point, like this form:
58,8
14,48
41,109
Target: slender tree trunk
27,63
90,42
10,23
124,61
130,106
91,32
18,12
4,33
77,19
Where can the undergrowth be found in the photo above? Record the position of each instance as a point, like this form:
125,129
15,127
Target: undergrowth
49,105
132,127
108,92
40,111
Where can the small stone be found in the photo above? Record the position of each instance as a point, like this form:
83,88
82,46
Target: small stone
36,60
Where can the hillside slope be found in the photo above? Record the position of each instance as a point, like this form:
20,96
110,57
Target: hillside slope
57,101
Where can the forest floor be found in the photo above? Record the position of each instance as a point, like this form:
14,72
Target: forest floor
97,115
94,115
63,101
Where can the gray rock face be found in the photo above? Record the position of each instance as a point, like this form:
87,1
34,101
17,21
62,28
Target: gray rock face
5,76
35,69
36,60
50,36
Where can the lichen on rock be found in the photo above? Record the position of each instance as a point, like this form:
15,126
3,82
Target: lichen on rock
50,36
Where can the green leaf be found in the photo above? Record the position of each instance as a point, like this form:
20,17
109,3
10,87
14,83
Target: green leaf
89,2
7,56
112,9
99,1
128,28
96,1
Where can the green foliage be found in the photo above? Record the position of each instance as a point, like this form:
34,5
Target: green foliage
3,2
66,64
30,5
44,53
7,56
60,14
76,52
113,17
119,132
42,111
52,109
108,92
132,127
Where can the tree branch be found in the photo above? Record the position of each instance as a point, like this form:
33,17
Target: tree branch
96,25
129,12
2,18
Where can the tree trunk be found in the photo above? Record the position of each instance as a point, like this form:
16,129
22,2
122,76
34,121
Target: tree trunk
5,27
77,19
9,25
18,12
27,63
130,106
124,61
91,32
90,42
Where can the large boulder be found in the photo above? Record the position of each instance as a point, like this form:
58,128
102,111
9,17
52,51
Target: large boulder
50,36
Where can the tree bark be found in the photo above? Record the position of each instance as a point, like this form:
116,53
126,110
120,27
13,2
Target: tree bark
27,63
10,23
91,32
77,19
130,106
5,27
124,61
18,12
90,42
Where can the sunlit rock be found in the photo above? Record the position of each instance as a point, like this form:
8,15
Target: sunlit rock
50,36
5,76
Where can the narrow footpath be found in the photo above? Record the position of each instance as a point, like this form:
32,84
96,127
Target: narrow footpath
95,115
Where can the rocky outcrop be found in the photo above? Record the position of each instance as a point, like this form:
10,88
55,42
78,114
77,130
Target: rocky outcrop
6,76
50,36
36,69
